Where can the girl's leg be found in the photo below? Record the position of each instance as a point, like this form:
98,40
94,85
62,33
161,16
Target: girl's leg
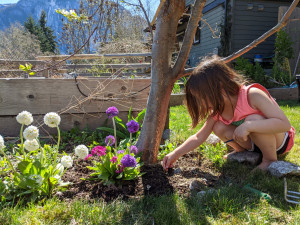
267,143
225,133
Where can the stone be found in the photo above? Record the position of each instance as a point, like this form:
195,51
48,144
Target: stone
213,140
282,168
201,194
166,134
253,158
195,185
177,171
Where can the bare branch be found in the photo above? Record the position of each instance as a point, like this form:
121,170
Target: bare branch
262,38
147,18
188,37
55,64
212,30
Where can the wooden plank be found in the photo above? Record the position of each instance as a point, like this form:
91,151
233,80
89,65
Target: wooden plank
10,127
23,62
40,96
108,66
93,56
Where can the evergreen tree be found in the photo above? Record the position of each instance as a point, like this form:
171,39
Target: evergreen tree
43,33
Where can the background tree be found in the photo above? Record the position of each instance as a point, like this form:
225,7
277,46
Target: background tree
43,33
101,16
17,43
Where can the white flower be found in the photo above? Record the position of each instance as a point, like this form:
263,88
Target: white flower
66,161
57,177
213,139
60,168
25,118
52,119
1,142
31,145
81,151
31,133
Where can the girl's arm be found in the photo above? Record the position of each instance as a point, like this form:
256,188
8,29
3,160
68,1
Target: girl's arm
275,122
190,144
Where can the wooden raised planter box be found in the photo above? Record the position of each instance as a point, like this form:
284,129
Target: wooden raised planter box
82,104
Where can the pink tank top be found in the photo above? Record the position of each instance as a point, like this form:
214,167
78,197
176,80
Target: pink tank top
243,109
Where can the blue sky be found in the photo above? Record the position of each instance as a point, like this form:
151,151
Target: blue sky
8,1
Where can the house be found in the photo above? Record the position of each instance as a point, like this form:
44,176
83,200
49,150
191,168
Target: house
242,21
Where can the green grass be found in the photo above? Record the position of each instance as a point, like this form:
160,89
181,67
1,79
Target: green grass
231,204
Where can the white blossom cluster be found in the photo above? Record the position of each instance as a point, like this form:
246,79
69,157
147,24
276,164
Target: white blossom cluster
25,118
1,142
31,133
66,161
213,139
81,151
31,145
52,119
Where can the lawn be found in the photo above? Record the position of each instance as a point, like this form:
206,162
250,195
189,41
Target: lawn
230,203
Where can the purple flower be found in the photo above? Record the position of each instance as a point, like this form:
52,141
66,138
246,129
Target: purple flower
112,112
120,152
109,140
128,161
120,168
132,126
114,159
89,156
133,149
99,150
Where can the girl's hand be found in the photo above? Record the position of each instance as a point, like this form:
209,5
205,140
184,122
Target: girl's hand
169,160
241,133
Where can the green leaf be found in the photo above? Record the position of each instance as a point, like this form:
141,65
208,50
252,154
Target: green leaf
110,130
22,67
130,114
140,116
32,73
24,166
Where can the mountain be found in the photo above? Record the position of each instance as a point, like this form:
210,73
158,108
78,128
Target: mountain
19,12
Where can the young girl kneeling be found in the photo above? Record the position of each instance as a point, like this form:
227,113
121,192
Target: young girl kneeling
246,114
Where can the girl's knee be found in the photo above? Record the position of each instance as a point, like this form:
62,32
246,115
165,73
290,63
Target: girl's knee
254,117
219,128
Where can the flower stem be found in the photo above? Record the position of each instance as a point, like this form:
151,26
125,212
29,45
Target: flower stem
57,147
42,152
130,140
115,133
8,160
22,145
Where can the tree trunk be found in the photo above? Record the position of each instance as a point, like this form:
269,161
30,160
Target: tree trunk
162,80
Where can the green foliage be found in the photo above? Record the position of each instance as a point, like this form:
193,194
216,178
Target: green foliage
281,71
178,85
43,33
214,153
27,69
254,73
166,149
109,169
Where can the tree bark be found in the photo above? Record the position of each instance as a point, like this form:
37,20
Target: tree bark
162,82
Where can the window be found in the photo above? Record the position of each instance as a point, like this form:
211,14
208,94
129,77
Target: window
198,34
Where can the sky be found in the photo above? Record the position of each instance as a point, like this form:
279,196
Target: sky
8,1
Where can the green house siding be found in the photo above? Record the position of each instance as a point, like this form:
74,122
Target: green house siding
249,24
207,43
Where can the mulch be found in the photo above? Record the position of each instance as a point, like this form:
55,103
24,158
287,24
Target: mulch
154,182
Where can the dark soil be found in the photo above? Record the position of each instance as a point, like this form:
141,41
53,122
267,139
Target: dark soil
155,181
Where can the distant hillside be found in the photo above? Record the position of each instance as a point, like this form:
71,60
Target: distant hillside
19,12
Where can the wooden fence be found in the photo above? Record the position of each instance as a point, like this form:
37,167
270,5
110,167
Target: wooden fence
81,101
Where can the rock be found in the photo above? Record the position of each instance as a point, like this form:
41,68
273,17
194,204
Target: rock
213,140
201,194
177,171
166,134
252,158
281,168
195,185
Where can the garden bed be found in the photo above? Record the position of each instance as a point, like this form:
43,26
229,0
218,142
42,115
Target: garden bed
155,181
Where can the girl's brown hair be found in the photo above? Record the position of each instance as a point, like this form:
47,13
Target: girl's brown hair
204,88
